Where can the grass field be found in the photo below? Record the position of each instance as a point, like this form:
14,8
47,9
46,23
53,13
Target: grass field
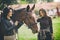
26,34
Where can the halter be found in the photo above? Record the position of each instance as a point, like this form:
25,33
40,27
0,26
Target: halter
31,24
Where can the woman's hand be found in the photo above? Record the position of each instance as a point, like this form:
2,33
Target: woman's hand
16,23
52,36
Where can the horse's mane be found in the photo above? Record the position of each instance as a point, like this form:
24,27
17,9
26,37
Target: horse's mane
16,13
19,10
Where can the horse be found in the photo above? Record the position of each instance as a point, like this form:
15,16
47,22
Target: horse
25,15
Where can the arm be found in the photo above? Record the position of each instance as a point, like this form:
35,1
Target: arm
19,25
7,27
50,23
38,20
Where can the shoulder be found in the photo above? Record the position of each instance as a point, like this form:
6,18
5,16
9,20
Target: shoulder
39,19
3,19
49,17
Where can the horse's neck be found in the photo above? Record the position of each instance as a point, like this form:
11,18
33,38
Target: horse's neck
17,15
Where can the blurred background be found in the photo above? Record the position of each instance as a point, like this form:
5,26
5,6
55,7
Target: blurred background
52,8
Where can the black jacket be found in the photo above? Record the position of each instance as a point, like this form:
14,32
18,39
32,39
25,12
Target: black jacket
6,28
45,22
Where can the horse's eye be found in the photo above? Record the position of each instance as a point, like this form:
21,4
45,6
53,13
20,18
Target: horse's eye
30,17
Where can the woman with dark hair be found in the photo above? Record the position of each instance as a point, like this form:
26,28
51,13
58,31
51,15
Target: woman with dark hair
7,28
1,36
46,30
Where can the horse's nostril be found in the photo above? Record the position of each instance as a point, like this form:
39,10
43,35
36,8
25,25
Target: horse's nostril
36,31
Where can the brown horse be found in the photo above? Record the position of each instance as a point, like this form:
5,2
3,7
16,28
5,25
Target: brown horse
25,15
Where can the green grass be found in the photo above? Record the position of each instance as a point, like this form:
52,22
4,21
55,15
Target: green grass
23,2
26,34
56,28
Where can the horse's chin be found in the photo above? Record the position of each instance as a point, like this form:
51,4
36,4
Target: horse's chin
34,32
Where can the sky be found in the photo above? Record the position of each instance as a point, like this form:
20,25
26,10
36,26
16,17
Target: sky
56,0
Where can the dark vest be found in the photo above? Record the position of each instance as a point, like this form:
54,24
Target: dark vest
45,22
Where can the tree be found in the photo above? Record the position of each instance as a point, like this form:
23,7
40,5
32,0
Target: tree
31,1
4,3
49,0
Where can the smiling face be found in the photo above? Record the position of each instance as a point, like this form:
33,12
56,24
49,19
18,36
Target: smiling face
10,13
42,12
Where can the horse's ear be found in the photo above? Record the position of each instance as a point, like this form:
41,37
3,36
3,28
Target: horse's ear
28,8
33,7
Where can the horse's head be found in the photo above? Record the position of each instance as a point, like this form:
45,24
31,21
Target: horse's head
29,19
25,15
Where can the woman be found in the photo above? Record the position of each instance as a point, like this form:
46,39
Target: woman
7,25
46,29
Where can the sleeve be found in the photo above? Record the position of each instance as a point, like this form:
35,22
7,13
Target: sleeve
19,25
38,20
50,23
7,27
